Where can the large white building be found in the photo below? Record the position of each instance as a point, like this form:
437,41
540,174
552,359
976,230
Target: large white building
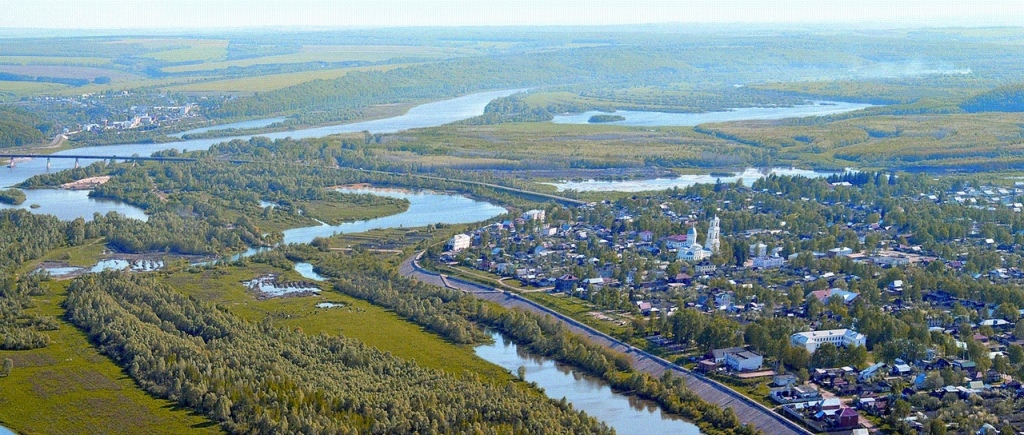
693,251
744,361
839,337
534,215
459,242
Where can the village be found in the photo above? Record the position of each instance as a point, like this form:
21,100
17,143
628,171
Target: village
645,266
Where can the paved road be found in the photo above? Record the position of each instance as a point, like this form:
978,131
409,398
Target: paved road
747,411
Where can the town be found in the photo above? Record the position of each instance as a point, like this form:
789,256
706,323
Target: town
822,297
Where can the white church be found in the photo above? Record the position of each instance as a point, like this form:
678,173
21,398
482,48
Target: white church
693,251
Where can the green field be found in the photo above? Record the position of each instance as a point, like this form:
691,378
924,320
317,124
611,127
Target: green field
69,388
197,50
17,89
358,319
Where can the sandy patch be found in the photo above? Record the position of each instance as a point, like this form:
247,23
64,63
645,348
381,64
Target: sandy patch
86,183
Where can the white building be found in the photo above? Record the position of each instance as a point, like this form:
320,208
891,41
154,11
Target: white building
744,361
534,215
693,251
769,262
839,337
459,242
713,241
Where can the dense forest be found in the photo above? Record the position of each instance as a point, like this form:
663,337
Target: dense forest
21,127
1004,99
19,330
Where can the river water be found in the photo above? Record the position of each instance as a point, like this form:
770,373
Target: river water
748,176
72,204
255,123
69,205
656,119
425,208
424,115
627,415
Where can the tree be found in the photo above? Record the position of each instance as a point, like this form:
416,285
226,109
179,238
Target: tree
8,365
936,427
1016,353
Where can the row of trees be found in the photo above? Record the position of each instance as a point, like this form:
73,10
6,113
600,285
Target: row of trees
257,378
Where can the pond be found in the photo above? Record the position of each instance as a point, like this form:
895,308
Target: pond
747,177
627,415
306,270
271,286
665,119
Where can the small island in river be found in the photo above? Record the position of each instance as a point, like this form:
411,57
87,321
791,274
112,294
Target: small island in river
597,119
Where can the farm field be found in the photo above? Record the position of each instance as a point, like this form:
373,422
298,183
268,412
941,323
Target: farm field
272,82
328,54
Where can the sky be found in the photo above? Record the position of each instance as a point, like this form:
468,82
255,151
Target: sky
218,14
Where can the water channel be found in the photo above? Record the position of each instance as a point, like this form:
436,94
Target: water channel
627,415
747,177
663,119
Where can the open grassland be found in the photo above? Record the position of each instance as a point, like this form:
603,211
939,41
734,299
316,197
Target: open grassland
69,388
322,53
193,51
908,141
334,212
272,82
545,145
357,319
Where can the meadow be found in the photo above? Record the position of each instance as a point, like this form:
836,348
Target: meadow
68,387
375,326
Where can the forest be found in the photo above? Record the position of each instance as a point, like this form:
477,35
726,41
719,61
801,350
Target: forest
258,378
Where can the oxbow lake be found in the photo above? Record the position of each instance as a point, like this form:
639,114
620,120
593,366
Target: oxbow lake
669,119
748,176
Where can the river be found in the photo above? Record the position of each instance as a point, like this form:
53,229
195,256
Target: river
69,205
748,176
422,116
255,123
661,119
627,415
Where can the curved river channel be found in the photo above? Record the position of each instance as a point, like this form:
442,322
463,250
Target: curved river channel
627,415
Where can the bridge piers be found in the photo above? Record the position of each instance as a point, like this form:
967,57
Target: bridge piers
76,163
47,164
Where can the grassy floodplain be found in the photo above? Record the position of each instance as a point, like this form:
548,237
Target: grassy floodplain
68,387
357,319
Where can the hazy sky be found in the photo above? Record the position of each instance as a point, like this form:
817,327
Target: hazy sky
163,14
